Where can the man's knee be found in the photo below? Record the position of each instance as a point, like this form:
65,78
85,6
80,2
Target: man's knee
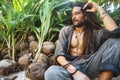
51,71
115,42
57,73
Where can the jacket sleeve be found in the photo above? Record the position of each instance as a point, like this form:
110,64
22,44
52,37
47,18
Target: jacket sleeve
100,36
61,45
111,34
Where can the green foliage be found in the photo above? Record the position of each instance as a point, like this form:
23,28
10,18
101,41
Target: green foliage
47,19
18,18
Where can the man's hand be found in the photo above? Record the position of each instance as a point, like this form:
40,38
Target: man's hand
109,23
94,7
80,76
77,75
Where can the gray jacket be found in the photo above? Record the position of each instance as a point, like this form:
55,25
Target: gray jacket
99,36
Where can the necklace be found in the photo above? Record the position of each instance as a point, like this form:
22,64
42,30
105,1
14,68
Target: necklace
79,38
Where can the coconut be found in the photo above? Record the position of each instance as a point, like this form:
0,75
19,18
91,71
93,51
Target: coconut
25,61
56,42
48,48
23,46
7,66
6,56
17,46
43,58
52,60
35,71
4,52
33,45
23,52
31,38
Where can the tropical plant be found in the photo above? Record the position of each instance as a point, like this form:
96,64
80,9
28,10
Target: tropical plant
9,24
16,23
19,17
47,20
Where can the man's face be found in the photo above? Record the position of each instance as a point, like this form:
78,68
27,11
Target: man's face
78,17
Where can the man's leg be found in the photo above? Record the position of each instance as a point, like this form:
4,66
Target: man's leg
114,50
106,61
57,73
106,75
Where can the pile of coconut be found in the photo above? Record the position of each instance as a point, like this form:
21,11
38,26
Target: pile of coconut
24,55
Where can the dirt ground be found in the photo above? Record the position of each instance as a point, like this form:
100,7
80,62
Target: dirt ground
21,76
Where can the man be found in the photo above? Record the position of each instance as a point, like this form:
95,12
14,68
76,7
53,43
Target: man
80,51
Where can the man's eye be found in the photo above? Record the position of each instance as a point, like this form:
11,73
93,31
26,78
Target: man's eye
77,13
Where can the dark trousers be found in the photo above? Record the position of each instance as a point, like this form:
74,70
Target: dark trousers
107,57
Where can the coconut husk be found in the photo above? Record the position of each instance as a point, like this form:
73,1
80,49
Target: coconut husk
4,52
7,66
48,48
25,61
6,56
43,58
23,52
31,38
32,46
35,71
23,46
52,60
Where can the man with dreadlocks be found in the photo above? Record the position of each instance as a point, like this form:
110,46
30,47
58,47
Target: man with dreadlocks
86,50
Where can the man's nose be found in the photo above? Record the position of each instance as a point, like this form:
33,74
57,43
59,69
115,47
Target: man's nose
73,17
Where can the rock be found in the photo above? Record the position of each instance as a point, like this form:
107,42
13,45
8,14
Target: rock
48,48
15,76
7,66
10,78
21,76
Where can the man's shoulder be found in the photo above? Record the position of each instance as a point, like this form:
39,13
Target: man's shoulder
67,28
99,30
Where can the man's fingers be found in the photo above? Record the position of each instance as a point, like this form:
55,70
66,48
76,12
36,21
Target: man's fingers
85,5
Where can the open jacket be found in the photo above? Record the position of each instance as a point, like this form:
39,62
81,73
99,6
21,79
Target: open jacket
99,36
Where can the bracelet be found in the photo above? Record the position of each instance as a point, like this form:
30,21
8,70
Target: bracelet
66,65
74,72
103,15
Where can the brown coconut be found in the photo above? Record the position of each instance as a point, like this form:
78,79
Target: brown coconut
35,71
48,48
4,52
32,46
31,38
25,61
23,52
43,58
23,46
52,60
7,66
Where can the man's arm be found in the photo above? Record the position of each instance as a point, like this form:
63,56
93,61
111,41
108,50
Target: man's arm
109,23
61,59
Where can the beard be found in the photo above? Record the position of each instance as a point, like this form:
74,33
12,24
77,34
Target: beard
80,24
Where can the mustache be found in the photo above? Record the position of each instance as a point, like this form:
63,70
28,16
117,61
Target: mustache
74,20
